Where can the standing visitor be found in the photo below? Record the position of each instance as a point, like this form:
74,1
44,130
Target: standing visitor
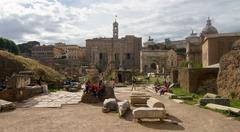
133,83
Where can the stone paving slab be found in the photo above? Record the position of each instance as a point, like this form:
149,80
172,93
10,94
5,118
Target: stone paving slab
53,100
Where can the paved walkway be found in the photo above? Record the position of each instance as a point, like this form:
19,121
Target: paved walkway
52,100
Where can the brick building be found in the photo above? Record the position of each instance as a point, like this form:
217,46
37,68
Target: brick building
46,52
122,52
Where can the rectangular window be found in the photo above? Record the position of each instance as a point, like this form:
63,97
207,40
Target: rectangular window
128,56
100,56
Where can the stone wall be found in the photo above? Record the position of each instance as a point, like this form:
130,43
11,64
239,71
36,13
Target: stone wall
201,80
14,94
228,78
18,81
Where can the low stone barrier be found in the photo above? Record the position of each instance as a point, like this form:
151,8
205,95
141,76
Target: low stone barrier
225,108
153,113
123,107
220,101
154,103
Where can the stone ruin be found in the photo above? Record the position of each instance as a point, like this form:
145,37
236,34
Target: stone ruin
19,87
94,77
228,80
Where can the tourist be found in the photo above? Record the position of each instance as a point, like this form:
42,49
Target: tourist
165,86
39,81
157,86
101,89
133,83
87,87
94,89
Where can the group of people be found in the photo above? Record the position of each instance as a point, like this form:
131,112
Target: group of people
162,88
94,89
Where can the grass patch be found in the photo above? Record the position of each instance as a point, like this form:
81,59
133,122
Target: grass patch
142,80
55,89
182,92
235,103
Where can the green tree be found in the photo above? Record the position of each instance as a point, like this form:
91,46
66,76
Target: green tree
27,47
8,45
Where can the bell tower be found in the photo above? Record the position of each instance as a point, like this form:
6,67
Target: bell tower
115,29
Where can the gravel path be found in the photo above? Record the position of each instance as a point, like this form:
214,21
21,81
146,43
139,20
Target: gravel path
89,118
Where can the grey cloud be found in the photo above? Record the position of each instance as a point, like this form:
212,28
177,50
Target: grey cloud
175,20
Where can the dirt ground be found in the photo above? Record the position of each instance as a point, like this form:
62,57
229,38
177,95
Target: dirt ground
89,118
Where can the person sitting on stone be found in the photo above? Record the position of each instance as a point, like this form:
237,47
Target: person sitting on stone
94,89
101,89
157,85
165,87
87,87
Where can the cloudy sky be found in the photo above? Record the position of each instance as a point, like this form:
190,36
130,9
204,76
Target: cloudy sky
73,21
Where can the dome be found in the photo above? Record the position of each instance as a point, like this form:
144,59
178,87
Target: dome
236,45
209,28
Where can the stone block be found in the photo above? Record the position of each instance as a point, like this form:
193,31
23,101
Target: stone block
139,100
220,101
210,95
133,94
154,103
6,106
225,108
110,105
145,112
185,97
123,107
178,101
170,95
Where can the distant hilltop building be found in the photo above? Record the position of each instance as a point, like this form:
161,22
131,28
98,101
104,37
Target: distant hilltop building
121,52
72,51
46,52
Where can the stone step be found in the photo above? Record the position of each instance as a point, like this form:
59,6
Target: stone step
225,108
